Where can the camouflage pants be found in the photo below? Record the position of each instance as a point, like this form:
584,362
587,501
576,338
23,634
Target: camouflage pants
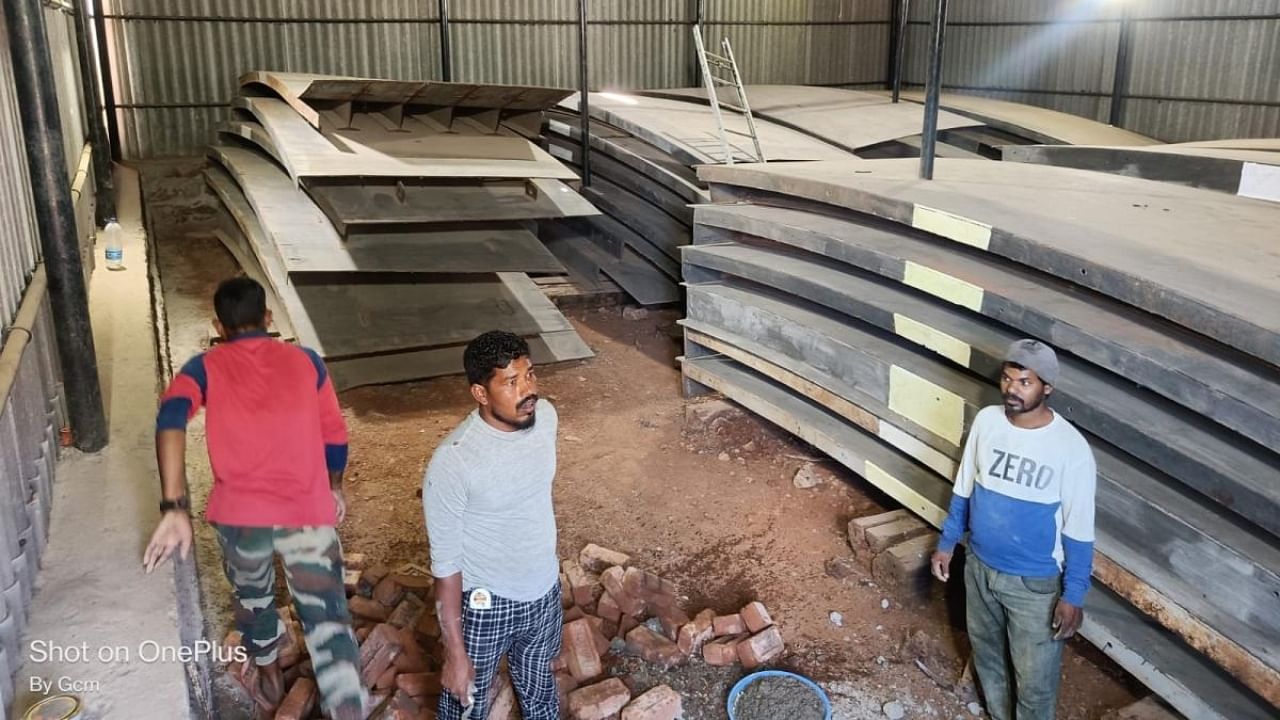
312,559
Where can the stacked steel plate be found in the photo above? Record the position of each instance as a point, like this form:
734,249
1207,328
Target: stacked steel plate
394,220
867,311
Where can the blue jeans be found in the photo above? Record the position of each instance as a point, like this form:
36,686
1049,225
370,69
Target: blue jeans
1010,621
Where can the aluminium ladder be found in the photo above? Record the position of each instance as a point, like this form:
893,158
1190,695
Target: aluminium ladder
710,63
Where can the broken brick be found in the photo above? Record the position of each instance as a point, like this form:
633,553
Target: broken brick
729,625
858,528
428,624
405,707
377,653
411,658
653,648
906,566
655,591
582,657
388,592
573,613
842,567
599,701
660,703
566,592
881,537
598,633
351,581
408,612
565,684
722,651
370,578
419,684
420,585
386,680
756,617
292,644
300,701
582,584
362,634
365,607
672,619
695,633
625,625
596,559
613,582
760,648
607,608
354,561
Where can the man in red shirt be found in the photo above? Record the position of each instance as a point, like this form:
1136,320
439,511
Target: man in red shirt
278,447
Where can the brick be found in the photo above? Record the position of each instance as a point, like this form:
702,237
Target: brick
404,707
756,617
233,640
722,651
388,592
599,701
760,648
386,680
377,653
582,584
566,592
729,625
419,684
607,608
582,658
365,607
672,619
880,537
596,559
598,633
411,658
660,703
300,701
420,585
858,527
428,624
292,644
654,648
906,566
503,703
655,591
351,581
625,625
573,613
613,582
565,684
370,578
363,633
695,633
355,561
408,612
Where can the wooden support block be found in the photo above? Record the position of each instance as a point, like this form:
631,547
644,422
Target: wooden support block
858,527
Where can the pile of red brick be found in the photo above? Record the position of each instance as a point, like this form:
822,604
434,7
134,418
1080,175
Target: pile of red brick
605,598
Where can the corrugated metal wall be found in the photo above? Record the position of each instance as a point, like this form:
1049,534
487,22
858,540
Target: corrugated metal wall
176,64
1198,69
19,243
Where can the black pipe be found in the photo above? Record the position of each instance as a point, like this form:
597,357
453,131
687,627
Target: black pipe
933,92
108,86
1121,81
699,17
903,10
446,46
56,221
584,90
103,183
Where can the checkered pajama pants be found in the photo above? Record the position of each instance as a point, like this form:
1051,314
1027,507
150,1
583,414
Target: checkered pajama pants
529,635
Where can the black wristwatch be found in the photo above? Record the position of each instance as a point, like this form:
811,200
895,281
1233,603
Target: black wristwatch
180,504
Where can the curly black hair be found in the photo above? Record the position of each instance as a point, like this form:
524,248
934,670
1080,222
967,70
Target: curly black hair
490,351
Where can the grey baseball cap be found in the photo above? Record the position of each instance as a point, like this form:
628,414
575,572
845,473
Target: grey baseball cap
1035,356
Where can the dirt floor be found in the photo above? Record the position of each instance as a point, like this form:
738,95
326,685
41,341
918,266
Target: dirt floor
711,507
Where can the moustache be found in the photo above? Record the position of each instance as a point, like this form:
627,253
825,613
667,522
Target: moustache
528,402
1011,400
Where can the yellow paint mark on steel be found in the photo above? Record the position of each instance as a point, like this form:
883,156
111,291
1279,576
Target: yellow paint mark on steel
942,285
945,345
928,405
951,226
904,494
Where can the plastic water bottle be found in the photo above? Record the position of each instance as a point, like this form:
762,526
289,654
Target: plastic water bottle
114,239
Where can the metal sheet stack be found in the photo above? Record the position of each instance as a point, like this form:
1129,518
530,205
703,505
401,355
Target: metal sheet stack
867,311
394,220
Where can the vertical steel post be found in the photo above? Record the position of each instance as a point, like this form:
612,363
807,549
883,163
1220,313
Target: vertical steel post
104,184
929,137
899,44
1120,84
584,90
108,86
446,45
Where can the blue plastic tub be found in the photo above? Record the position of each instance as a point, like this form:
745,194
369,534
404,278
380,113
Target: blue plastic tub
744,682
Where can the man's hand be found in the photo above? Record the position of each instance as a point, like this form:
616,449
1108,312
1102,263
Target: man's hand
1066,619
340,501
459,678
941,564
173,532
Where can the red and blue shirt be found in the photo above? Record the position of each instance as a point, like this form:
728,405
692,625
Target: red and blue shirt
273,428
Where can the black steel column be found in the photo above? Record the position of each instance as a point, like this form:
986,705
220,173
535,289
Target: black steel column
699,17
584,90
902,15
929,136
1120,84
104,70
56,221
446,46
104,184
